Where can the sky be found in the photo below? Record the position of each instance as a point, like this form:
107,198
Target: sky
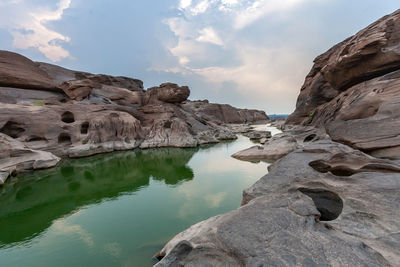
247,53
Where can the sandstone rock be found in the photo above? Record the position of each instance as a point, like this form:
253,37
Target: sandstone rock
169,133
263,140
257,135
19,71
303,214
282,144
16,157
167,92
371,53
76,114
353,90
58,128
3,177
222,113
77,89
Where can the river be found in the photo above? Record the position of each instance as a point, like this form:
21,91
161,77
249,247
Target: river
119,209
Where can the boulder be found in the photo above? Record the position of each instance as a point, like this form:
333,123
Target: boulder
282,144
77,89
16,157
319,206
167,92
257,135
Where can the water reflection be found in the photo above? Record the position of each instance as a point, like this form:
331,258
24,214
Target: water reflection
28,207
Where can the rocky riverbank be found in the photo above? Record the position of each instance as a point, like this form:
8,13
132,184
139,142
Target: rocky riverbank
48,112
332,198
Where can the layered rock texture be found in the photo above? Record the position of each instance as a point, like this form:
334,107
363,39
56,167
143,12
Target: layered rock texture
332,198
48,112
353,90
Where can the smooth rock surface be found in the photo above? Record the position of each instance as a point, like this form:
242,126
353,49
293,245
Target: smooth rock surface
302,215
16,157
282,144
257,135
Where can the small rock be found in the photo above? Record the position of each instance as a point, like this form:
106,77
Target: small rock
3,177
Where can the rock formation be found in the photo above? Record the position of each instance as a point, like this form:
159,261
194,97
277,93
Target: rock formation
353,90
51,112
324,205
333,196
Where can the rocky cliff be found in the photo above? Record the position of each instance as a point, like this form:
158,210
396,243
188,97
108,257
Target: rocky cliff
353,90
332,198
48,112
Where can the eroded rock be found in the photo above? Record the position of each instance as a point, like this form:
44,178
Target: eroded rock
299,216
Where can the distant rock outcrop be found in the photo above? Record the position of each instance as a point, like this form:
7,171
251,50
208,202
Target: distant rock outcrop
68,113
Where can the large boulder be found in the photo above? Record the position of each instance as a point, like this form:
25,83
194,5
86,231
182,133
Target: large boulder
167,92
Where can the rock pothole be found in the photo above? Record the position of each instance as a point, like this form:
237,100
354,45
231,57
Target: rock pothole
323,167
13,129
35,138
68,117
328,203
309,138
64,138
85,127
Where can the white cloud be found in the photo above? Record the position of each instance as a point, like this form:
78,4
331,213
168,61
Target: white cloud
27,24
201,7
208,35
183,4
257,67
262,8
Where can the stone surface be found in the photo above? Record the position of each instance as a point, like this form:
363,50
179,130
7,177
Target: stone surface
282,144
323,205
222,113
167,92
353,90
257,135
19,71
371,53
77,114
16,157
3,177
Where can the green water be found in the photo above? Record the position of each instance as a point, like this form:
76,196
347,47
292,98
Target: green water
118,209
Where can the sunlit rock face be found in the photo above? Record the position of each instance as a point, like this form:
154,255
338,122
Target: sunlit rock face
75,114
353,90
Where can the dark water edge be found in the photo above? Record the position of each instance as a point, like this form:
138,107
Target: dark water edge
118,209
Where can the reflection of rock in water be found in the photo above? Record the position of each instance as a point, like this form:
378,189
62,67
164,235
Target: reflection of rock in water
30,206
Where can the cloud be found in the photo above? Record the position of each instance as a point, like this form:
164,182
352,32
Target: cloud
219,42
184,4
208,35
260,9
27,24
